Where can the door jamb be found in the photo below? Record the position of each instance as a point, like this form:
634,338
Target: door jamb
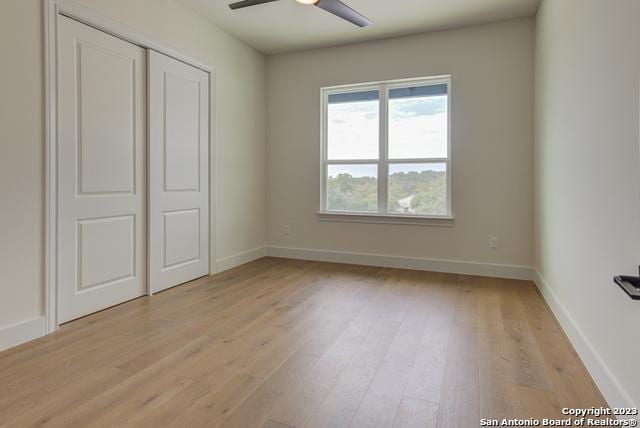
85,15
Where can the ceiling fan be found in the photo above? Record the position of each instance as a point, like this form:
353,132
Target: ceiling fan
335,7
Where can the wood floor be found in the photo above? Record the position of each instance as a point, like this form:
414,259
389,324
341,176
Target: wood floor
282,343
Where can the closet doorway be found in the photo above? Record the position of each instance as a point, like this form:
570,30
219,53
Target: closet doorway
132,162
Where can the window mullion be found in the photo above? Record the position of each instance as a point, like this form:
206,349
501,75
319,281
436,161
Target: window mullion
351,161
419,160
323,151
383,167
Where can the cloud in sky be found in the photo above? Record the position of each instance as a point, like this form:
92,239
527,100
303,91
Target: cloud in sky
417,129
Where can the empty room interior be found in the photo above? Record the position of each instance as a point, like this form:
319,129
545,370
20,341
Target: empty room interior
319,213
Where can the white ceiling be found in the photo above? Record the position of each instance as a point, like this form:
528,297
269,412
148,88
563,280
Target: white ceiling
285,25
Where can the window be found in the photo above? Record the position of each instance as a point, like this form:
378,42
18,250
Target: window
386,149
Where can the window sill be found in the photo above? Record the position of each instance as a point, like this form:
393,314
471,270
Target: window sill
439,221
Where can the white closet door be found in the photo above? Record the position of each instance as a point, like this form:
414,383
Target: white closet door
178,172
101,182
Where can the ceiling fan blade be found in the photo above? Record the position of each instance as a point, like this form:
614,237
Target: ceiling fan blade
247,3
343,11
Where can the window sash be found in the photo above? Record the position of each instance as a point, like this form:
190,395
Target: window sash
383,160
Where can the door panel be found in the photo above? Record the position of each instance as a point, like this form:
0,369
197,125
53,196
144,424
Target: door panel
178,172
111,238
182,140
107,142
182,237
101,179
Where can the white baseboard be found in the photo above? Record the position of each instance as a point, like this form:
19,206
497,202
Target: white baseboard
16,334
239,259
434,265
608,384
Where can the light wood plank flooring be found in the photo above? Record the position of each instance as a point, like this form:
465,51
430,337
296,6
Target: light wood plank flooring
283,343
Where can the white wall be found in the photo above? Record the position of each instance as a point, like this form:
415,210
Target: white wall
492,138
587,181
240,135
21,161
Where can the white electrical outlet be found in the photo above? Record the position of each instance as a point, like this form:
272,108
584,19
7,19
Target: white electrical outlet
493,242
287,229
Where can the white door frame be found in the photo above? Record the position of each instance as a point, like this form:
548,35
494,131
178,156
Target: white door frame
71,9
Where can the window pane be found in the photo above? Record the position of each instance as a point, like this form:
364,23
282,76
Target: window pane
352,188
352,125
418,189
418,122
